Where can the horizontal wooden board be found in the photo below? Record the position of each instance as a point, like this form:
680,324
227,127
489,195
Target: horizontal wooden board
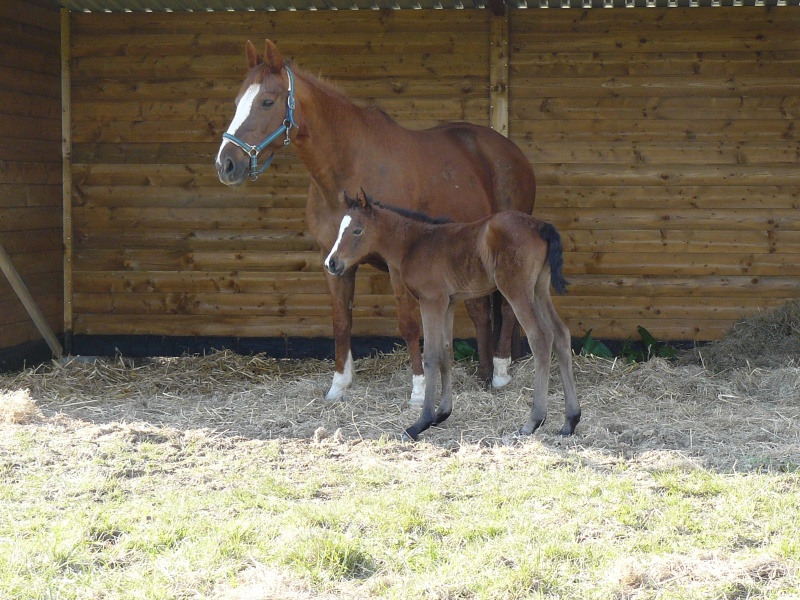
668,197
362,87
719,18
538,61
257,26
422,65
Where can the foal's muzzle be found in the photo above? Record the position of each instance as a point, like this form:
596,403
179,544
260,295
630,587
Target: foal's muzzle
335,267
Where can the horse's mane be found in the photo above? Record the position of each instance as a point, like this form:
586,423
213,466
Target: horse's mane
327,87
403,212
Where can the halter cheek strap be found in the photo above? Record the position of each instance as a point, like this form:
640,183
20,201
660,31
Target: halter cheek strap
286,126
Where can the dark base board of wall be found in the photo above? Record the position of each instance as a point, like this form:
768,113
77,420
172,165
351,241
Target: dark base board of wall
289,347
136,346
25,355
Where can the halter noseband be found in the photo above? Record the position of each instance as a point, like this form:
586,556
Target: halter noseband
287,124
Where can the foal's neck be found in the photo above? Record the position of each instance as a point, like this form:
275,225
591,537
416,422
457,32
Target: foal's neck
398,234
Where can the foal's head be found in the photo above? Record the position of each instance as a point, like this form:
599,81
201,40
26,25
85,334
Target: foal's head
357,235
261,110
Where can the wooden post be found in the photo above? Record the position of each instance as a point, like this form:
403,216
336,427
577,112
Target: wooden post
30,304
498,72
66,173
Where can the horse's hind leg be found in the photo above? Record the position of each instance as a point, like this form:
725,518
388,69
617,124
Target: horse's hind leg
342,290
479,310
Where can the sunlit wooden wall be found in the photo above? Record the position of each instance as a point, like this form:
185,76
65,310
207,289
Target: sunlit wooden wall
667,152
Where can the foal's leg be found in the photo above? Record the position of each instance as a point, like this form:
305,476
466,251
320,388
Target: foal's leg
433,326
479,310
342,290
540,338
446,400
502,355
562,344
408,321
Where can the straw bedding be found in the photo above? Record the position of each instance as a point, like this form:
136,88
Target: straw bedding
732,405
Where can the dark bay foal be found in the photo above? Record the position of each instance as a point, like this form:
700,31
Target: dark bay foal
442,263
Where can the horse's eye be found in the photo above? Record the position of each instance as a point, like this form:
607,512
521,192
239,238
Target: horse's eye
267,103
358,231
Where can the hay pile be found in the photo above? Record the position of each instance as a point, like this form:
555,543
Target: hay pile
736,418
17,407
768,339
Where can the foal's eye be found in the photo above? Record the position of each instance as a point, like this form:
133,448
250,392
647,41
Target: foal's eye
267,103
358,231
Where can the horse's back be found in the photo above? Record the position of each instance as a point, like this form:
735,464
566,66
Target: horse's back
504,169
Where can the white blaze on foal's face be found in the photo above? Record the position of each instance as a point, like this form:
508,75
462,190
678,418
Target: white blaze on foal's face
243,110
342,228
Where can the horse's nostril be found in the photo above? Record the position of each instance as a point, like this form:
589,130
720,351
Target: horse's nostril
229,166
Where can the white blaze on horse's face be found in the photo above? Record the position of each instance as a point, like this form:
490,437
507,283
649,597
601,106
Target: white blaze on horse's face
243,110
342,228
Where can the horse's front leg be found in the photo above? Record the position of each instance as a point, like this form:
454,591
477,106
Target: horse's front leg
433,325
408,322
479,310
342,291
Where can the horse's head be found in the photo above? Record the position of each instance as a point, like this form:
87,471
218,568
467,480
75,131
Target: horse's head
356,235
264,116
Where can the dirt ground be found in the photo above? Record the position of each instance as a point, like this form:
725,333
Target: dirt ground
713,406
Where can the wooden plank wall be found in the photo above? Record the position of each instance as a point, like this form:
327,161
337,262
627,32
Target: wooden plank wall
664,143
30,165
161,246
666,149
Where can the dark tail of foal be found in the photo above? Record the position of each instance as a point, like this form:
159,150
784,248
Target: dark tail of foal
555,256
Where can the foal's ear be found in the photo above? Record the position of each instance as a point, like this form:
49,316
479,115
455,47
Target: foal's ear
253,58
363,200
273,57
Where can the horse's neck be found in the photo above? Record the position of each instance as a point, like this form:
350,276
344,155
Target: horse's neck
335,132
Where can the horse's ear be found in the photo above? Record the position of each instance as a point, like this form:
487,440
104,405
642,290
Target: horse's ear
253,58
273,57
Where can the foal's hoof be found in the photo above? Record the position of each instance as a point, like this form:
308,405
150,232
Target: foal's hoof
569,425
529,428
408,437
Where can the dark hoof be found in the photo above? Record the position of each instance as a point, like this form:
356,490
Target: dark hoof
569,425
409,437
440,418
536,426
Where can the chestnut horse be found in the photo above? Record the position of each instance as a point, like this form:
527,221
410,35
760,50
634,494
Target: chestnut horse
460,171
443,263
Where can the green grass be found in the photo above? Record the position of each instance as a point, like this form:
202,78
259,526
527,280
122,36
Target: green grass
118,514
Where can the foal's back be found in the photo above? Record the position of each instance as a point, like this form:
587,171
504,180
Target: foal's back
466,260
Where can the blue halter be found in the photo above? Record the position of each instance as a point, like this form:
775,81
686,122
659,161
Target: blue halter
253,151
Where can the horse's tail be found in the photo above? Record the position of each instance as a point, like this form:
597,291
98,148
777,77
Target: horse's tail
555,256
